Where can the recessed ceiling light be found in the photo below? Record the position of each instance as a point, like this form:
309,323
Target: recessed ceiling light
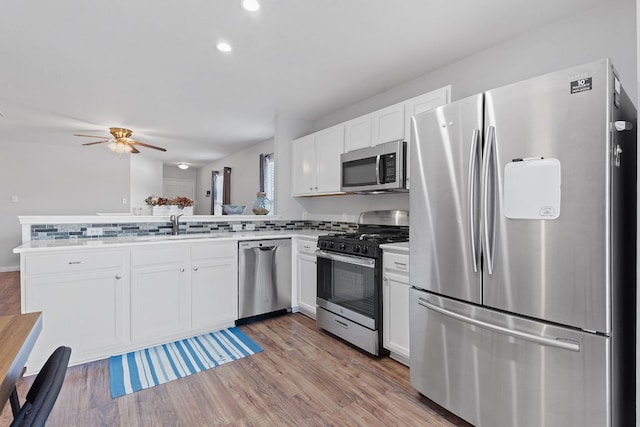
251,5
183,166
224,47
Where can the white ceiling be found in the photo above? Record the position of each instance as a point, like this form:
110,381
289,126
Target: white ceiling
77,66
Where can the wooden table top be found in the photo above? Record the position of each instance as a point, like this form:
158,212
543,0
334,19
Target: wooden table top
18,334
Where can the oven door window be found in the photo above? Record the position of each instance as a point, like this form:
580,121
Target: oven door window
349,285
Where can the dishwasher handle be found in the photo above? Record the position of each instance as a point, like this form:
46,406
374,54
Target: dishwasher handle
267,243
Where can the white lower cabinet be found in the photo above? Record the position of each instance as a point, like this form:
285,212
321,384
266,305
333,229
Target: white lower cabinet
104,302
159,291
183,288
214,284
306,272
82,298
396,304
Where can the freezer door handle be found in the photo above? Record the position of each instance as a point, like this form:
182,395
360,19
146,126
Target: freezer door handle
471,186
552,342
486,155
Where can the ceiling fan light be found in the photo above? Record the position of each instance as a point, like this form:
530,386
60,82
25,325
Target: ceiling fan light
183,166
120,147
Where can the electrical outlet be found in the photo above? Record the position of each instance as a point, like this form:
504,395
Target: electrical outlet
94,231
14,199
250,227
236,227
124,200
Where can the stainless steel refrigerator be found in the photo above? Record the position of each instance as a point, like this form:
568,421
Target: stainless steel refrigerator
523,213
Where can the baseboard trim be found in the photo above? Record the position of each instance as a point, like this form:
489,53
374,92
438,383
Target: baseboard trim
9,269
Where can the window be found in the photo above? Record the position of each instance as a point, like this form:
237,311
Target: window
268,178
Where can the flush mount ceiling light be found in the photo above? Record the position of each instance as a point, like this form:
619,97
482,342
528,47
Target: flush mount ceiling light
223,47
183,166
250,5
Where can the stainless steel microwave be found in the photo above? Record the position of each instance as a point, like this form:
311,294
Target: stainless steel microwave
377,169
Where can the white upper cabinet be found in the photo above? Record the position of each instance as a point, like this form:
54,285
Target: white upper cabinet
388,124
303,165
329,147
316,158
315,168
357,133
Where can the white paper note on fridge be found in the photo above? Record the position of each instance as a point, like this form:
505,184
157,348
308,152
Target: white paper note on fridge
532,189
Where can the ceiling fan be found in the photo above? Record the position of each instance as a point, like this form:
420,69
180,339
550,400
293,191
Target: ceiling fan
120,143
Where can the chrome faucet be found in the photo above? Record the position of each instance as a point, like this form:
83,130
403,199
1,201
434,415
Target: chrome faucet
175,225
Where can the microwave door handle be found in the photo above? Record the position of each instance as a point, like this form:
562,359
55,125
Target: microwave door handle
378,169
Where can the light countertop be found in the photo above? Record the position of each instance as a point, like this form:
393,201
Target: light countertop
402,247
66,244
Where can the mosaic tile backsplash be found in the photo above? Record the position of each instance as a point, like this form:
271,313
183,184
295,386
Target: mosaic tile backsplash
79,231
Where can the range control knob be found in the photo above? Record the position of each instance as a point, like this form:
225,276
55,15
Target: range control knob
331,244
364,250
356,248
343,246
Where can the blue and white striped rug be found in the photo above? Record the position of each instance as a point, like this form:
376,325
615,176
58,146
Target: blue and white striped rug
146,368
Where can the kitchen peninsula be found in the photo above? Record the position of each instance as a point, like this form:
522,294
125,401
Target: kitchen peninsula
111,284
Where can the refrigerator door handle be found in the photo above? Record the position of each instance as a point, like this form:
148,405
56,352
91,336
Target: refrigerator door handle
485,196
552,342
471,185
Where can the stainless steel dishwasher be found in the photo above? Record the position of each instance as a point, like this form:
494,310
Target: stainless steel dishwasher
264,278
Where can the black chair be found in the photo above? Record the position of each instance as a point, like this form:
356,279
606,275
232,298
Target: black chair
43,392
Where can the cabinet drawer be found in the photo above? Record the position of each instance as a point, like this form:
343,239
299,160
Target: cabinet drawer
72,262
393,261
203,251
158,255
307,245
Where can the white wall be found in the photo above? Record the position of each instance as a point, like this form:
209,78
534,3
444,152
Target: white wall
287,128
173,171
54,180
606,31
245,176
146,180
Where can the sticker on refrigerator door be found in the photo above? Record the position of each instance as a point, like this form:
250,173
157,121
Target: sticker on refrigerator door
581,85
532,188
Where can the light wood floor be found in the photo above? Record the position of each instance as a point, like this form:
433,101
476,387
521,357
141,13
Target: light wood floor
304,377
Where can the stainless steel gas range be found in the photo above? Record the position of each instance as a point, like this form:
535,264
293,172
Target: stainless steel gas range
350,278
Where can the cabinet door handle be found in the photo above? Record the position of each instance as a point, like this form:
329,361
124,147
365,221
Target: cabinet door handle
118,277
75,262
182,270
195,268
402,265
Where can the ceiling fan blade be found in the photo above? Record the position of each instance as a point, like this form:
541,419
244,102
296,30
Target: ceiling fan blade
90,136
133,149
97,142
142,144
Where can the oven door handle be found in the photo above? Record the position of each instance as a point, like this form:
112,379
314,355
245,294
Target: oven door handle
363,262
